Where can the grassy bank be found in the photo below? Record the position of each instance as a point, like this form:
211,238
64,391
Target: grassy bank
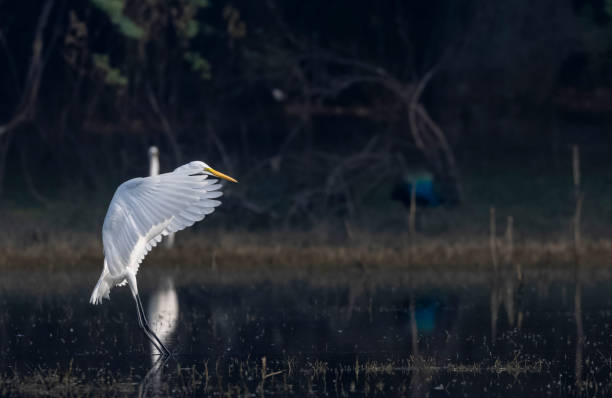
534,189
297,249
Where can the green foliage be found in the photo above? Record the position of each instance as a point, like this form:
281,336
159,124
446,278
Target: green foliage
198,64
185,18
200,3
113,76
236,27
114,10
145,27
608,7
192,29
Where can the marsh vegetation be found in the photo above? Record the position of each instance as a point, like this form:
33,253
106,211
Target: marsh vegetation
429,331
314,276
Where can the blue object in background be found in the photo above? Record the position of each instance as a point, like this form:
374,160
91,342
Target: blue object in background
425,192
425,317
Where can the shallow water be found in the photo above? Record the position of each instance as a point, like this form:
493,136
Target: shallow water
364,332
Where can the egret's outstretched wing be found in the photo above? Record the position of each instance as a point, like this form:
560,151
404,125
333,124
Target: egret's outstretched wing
145,209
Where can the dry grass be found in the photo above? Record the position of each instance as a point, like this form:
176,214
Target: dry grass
244,250
236,376
68,235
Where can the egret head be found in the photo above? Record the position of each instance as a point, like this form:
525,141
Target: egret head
198,167
212,172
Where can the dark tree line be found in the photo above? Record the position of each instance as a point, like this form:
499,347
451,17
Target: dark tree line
329,101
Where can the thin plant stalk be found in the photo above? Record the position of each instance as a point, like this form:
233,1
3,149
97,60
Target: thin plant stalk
492,236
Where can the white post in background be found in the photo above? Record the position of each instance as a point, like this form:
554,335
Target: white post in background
153,161
153,171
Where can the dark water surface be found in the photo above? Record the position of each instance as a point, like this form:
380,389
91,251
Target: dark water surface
535,332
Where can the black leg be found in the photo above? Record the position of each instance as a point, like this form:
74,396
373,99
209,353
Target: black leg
143,325
147,329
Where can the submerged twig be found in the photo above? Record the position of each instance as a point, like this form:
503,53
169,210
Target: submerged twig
579,197
492,236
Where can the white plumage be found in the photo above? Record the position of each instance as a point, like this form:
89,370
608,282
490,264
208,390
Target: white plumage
142,211
153,171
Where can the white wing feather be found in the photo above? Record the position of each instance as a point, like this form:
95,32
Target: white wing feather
145,209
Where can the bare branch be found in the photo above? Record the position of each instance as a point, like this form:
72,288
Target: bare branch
166,128
11,64
441,138
26,108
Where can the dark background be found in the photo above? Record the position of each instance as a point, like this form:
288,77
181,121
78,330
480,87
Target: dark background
318,108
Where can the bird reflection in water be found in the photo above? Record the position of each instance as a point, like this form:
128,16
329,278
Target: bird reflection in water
163,314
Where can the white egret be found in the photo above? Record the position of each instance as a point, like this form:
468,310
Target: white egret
153,171
142,211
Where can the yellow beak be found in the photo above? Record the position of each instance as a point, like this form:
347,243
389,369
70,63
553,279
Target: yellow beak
219,174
